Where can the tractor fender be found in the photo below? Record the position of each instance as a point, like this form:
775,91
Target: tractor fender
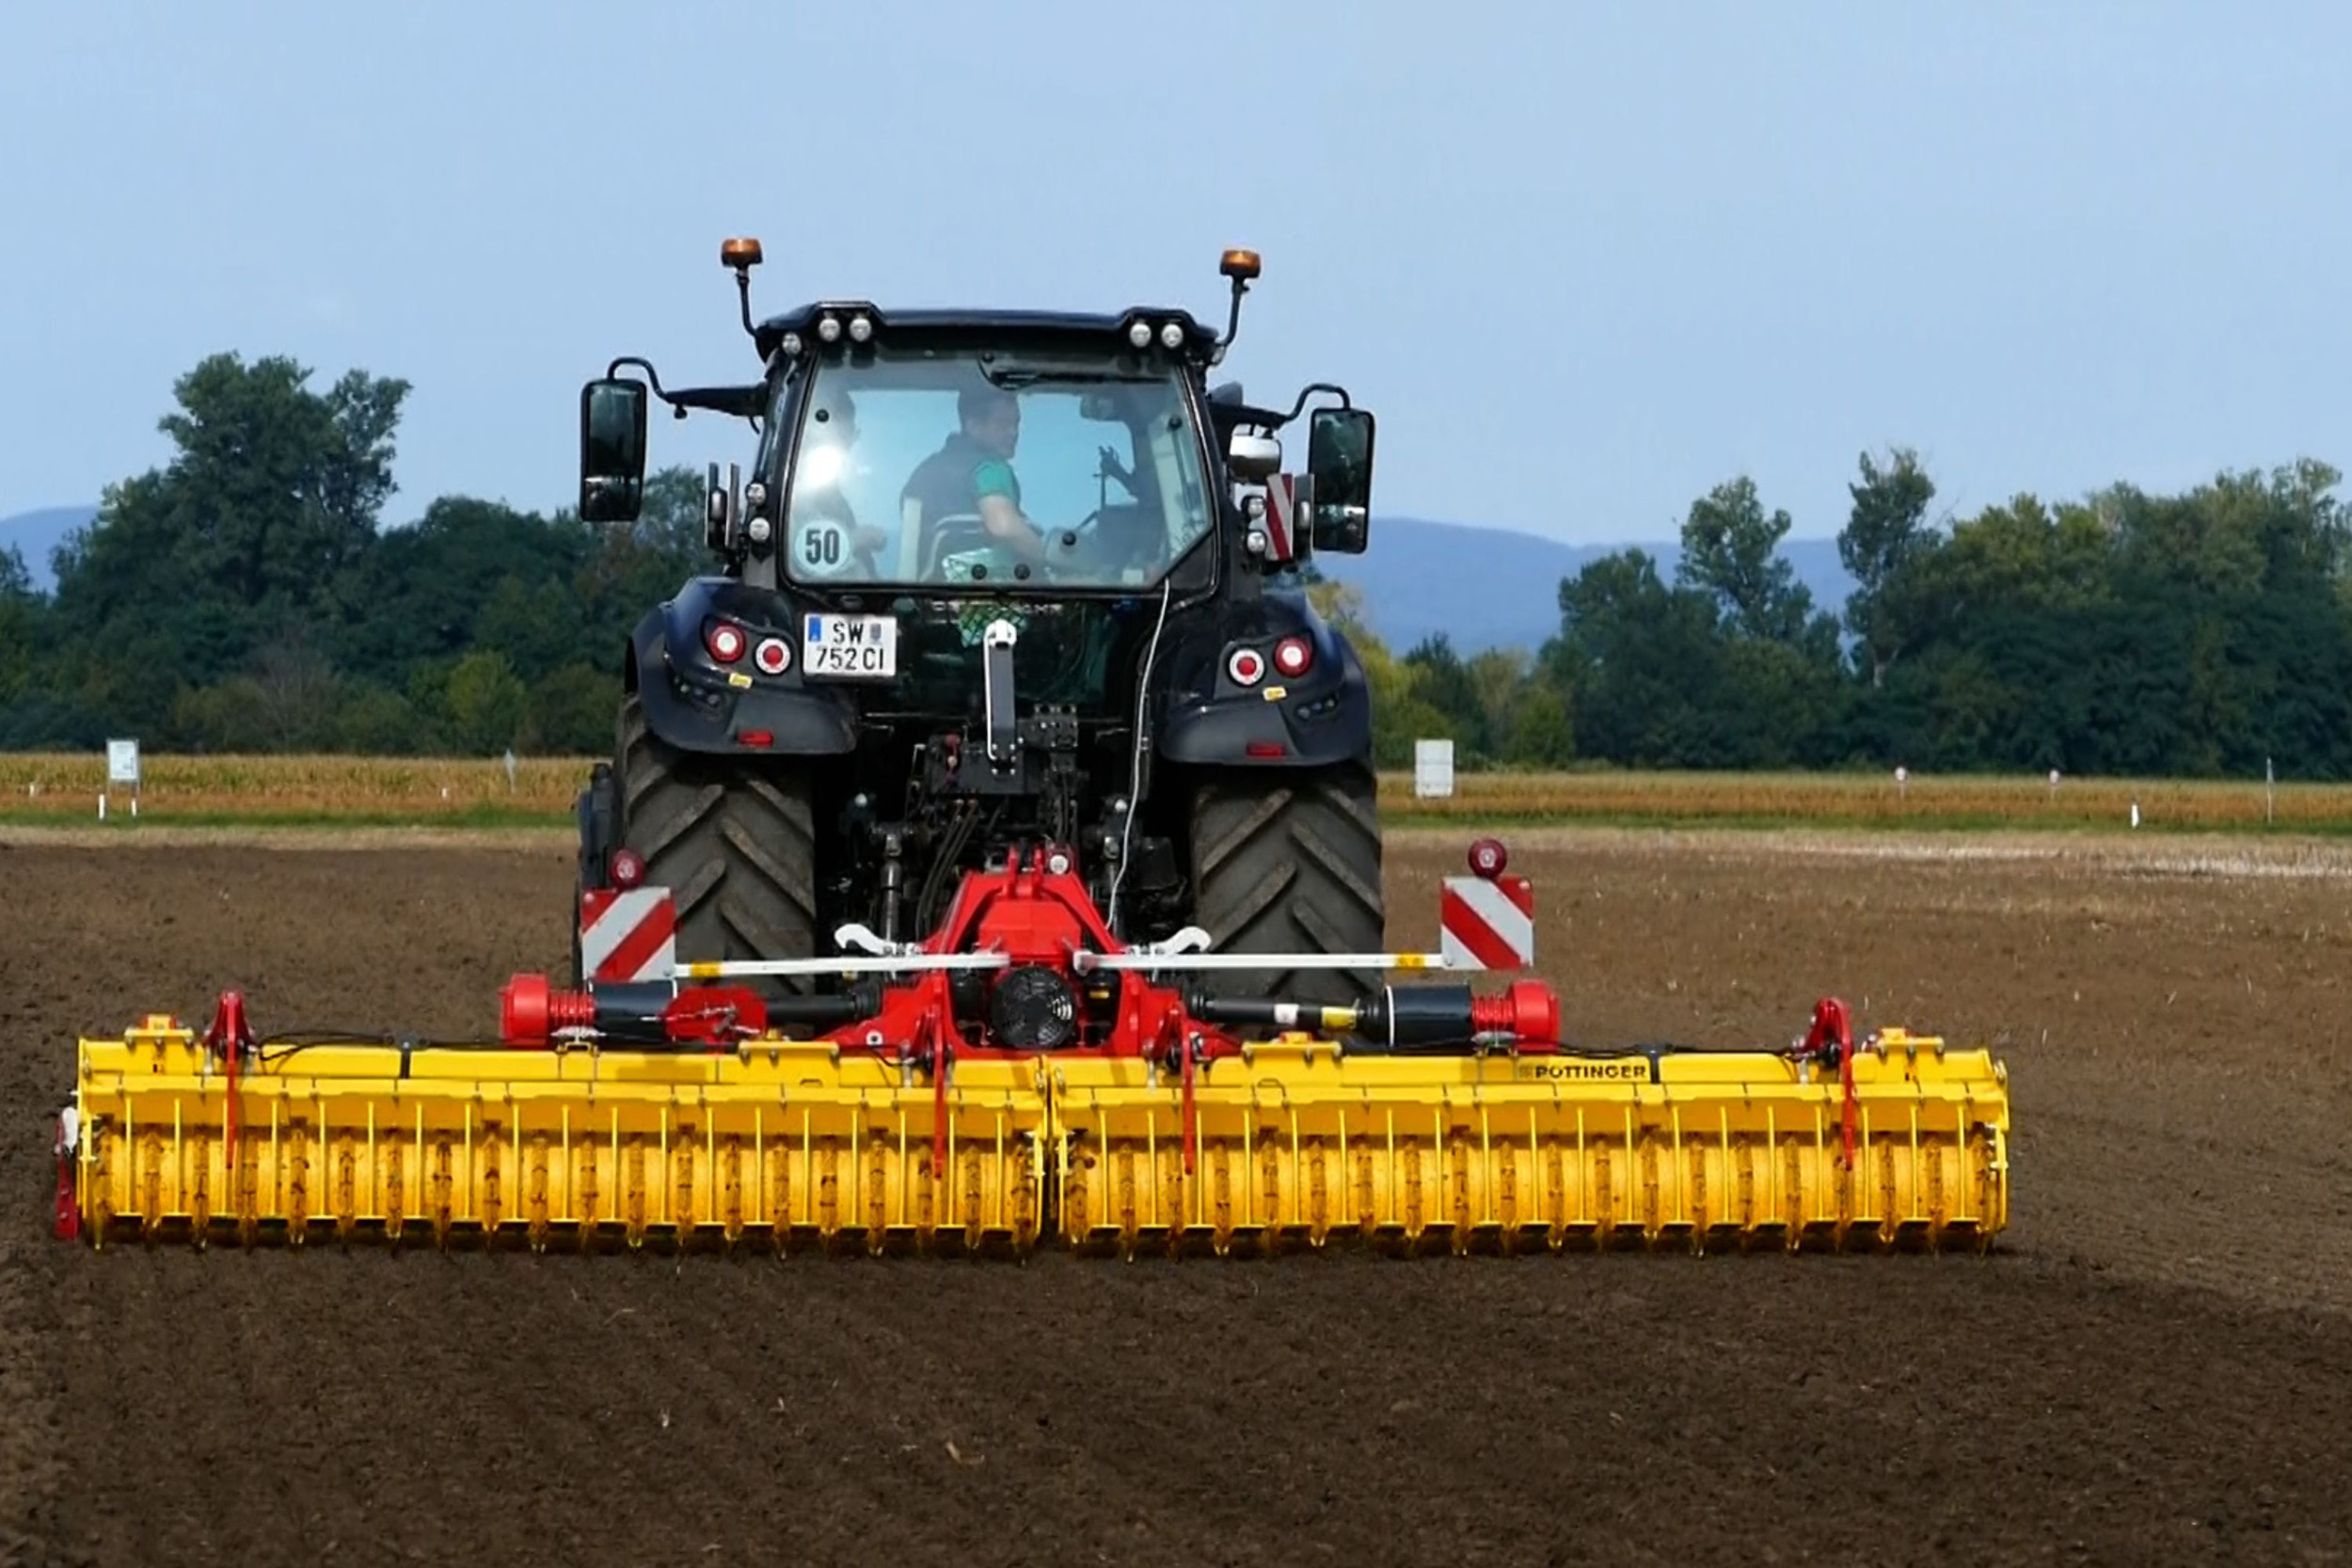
1310,720
695,704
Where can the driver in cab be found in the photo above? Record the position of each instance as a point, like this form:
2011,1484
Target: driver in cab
971,475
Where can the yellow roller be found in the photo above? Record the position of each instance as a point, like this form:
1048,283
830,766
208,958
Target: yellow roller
782,1143
1300,1145
795,1144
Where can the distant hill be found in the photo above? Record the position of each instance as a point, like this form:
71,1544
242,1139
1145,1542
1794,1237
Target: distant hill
1485,587
37,533
1497,587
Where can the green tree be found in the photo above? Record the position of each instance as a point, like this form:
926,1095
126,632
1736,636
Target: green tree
1441,681
1886,537
1730,550
1541,733
1498,675
222,718
536,625
487,702
429,586
258,521
1643,663
299,695
571,712
376,721
20,622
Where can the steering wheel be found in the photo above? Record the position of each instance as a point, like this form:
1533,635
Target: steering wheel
965,532
1064,546
949,536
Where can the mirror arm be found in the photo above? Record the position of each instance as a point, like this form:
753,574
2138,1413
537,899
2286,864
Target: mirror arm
653,377
1228,417
742,402
1310,389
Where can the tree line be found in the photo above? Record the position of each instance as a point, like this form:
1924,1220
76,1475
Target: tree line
2202,633
245,597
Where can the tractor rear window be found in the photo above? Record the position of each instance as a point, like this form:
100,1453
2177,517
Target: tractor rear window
999,470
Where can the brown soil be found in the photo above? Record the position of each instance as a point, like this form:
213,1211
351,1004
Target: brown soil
2156,1366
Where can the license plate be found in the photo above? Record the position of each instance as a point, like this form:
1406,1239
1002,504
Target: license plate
850,646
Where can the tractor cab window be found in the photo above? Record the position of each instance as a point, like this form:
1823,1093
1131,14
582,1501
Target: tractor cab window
999,470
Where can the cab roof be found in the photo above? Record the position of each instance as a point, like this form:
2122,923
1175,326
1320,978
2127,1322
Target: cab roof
975,325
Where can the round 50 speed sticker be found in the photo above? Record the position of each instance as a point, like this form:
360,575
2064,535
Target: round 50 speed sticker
821,548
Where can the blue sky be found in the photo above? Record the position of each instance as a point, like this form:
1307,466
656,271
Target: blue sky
1584,261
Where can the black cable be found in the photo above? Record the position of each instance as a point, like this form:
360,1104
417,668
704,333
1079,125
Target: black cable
293,1043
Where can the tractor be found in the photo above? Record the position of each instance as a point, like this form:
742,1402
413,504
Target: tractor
994,579
1006,694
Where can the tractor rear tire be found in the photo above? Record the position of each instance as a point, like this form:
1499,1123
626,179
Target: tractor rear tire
1290,863
735,843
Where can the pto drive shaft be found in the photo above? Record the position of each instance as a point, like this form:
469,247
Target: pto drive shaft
1416,1020
658,1015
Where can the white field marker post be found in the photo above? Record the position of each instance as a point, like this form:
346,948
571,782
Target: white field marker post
1433,769
122,767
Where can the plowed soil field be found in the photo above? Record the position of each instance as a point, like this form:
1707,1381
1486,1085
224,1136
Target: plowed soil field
2156,1365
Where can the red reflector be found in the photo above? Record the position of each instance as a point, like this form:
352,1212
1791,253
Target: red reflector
1268,749
757,737
628,868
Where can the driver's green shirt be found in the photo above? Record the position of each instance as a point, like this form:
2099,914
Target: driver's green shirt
995,478
991,476
951,483
952,480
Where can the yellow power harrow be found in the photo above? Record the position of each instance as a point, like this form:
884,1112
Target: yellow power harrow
1104,1111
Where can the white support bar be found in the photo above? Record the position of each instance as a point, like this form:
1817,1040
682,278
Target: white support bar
1082,963
906,964
1087,962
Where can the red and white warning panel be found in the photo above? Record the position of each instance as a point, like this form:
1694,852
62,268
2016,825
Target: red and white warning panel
1487,921
627,934
1281,517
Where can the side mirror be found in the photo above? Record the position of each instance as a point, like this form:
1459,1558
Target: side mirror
611,451
1253,459
1338,461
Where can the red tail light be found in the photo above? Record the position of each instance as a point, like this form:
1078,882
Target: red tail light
628,868
725,640
1293,655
